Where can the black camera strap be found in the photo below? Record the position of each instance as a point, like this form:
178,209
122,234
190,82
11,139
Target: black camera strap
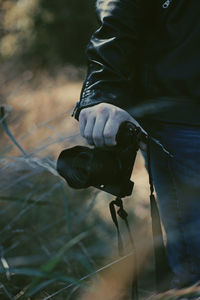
117,202
162,268
124,216
161,264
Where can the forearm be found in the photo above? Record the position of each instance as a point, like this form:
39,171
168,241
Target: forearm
111,54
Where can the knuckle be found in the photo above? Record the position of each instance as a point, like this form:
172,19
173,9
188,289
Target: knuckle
102,110
86,111
83,114
117,112
100,105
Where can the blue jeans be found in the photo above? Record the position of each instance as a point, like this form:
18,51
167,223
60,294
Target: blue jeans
177,184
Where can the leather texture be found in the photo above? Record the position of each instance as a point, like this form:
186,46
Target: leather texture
143,50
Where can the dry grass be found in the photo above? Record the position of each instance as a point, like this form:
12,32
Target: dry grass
40,214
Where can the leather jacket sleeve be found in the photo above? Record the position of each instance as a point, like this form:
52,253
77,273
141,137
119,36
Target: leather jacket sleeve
112,55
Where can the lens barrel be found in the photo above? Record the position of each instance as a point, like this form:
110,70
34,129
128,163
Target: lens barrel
83,167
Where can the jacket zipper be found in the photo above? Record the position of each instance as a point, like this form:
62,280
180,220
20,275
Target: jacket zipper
166,3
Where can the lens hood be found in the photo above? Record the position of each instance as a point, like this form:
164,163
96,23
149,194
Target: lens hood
74,164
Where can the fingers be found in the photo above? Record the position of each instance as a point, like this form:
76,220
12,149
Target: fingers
101,131
92,125
110,132
88,130
82,121
98,131
99,124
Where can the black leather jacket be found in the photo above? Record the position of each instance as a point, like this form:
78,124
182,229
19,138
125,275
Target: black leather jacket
143,50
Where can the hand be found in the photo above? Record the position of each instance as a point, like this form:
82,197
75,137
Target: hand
99,124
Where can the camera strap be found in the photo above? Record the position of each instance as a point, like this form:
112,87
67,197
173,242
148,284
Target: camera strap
124,216
161,263
162,268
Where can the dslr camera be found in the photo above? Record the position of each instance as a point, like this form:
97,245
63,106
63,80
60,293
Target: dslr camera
108,169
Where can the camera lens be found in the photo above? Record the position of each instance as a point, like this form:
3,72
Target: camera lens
74,165
82,167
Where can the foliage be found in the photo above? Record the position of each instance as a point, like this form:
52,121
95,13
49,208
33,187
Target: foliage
46,33
54,241
50,235
48,241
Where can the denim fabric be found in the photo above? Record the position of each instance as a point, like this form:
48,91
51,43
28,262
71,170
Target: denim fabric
177,184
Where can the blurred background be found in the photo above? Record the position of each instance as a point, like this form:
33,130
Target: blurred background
53,240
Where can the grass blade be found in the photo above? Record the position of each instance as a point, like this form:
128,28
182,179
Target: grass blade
50,265
7,130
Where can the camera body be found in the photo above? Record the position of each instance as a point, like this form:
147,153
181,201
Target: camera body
108,169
